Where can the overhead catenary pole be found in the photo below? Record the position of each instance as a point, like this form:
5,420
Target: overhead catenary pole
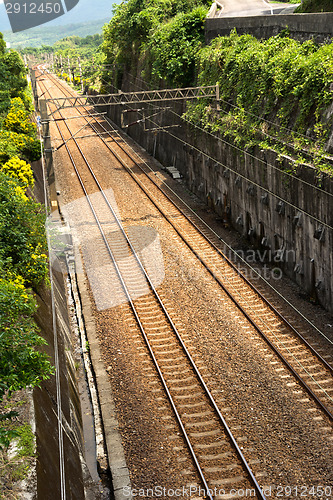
69,70
80,70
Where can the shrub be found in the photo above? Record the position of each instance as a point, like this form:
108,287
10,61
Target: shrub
20,170
22,233
32,150
19,137
22,145
315,6
23,262
18,119
21,362
133,28
174,47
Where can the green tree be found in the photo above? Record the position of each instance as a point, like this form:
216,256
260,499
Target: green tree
22,364
13,82
174,46
23,263
2,45
16,74
138,24
22,233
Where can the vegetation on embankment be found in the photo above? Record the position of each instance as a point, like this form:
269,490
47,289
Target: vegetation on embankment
23,261
65,54
315,6
161,37
274,92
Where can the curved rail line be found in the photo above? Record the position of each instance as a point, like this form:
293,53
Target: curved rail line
198,416
276,330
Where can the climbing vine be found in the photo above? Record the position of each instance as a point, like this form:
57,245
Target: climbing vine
274,93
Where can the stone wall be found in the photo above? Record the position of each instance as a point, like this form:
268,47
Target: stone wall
301,26
279,214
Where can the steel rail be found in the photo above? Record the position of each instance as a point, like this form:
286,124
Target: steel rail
258,329
189,357
231,296
231,264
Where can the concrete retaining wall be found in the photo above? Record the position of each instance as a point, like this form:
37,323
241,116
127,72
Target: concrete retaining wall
45,398
301,26
248,190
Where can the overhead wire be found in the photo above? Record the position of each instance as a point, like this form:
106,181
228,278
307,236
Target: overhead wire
61,463
224,242
295,207
277,139
277,125
234,252
238,293
290,145
289,174
320,222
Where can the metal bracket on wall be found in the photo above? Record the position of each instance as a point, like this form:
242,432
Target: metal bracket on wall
319,233
298,219
239,220
145,119
281,208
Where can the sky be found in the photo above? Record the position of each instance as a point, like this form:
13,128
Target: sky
86,10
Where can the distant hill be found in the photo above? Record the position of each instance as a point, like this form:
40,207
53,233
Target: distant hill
85,11
43,35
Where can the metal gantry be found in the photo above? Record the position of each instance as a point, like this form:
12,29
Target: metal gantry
138,97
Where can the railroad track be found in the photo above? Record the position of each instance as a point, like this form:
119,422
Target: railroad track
310,367
218,459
